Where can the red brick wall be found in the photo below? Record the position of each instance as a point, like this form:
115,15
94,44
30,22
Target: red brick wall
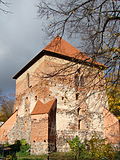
39,128
111,127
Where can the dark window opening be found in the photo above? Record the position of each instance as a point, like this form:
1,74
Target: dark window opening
44,140
62,98
79,124
78,70
36,98
78,111
48,148
77,96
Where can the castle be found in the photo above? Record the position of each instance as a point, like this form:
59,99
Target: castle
59,94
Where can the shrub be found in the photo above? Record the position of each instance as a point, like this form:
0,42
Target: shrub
93,149
11,157
117,155
76,146
24,148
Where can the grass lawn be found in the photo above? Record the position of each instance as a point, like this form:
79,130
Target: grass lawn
52,156
32,157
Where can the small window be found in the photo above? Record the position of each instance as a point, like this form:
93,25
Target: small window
62,98
78,111
28,79
79,121
78,70
77,96
36,98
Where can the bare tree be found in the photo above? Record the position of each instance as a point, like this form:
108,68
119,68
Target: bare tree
6,107
4,6
96,22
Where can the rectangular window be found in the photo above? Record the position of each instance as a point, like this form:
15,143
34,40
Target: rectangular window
79,121
28,79
78,111
77,96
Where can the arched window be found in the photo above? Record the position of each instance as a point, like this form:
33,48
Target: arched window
82,125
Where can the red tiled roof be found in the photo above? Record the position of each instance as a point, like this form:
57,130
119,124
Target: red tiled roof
41,108
60,46
7,126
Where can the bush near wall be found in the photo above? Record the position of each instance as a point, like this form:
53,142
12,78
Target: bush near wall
93,149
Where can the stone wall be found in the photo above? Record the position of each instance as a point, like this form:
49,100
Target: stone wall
6,128
79,102
22,127
21,130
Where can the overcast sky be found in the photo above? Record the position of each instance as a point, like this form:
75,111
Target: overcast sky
21,38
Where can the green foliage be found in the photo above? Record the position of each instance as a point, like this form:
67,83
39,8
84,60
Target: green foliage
117,155
29,158
6,144
61,156
93,149
76,146
23,142
99,150
113,93
11,157
24,148
32,157
114,100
